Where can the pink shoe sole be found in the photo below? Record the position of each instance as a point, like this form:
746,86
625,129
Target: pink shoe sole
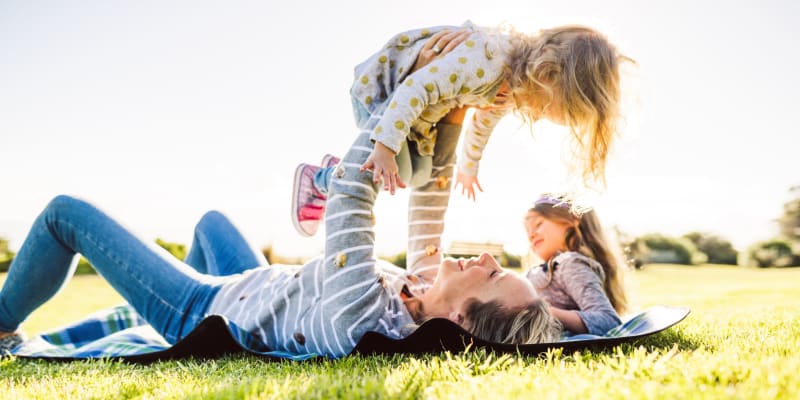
302,219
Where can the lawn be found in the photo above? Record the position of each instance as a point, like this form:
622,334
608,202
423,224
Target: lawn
740,341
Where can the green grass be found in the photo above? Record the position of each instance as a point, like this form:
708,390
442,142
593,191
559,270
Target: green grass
740,341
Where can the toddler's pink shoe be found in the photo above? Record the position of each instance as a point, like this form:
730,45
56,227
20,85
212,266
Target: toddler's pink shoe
308,204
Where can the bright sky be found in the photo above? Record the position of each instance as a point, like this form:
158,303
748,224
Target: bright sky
160,110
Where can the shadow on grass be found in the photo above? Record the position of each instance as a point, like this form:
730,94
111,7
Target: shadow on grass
668,339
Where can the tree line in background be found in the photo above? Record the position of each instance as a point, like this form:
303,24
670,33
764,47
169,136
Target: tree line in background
691,249
700,248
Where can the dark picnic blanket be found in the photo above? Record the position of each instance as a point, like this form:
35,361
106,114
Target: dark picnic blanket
121,333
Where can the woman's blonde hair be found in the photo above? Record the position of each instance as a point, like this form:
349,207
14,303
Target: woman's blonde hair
585,236
529,324
581,67
491,321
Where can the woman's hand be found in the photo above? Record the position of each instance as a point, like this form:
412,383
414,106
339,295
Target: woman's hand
383,165
439,44
468,184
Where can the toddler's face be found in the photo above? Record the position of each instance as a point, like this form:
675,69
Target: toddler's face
553,112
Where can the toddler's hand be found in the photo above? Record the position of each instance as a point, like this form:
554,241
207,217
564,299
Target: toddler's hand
383,165
467,182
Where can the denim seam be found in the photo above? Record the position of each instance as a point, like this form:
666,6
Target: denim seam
205,245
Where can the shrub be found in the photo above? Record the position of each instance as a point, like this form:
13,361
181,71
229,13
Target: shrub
509,260
176,249
718,250
84,267
5,263
6,255
656,248
274,258
770,253
399,259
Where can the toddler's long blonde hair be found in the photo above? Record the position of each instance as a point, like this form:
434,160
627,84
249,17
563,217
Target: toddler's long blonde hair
579,65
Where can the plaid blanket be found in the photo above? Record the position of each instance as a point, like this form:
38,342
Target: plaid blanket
121,332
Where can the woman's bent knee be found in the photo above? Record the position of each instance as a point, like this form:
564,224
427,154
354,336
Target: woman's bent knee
65,202
212,218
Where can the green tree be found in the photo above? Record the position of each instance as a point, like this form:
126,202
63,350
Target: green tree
717,249
770,253
789,222
657,248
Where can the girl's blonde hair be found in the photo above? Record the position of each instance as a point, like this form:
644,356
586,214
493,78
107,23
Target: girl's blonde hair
581,67
585,236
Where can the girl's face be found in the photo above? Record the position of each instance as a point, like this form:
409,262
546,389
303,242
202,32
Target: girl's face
459,281
555,111
546,237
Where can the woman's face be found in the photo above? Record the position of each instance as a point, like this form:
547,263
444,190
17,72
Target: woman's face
546,237
459,281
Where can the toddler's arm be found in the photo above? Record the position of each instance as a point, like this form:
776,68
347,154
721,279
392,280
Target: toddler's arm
479,130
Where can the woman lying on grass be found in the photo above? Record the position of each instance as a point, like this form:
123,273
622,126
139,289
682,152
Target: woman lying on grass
323,307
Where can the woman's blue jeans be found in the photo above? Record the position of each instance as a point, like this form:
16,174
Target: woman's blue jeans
173,296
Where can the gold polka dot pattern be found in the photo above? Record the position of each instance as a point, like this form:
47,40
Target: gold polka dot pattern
431,249
340,260
441,182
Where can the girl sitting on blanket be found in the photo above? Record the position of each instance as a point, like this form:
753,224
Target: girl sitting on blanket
581,277
323,307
